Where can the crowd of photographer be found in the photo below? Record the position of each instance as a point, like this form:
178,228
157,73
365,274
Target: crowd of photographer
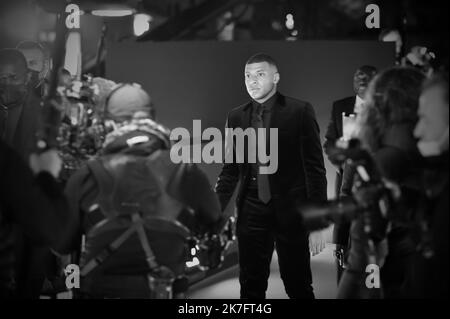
154,212
391,215
130,209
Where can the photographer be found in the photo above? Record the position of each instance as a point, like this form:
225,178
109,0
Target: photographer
386,127
342,111
135,176
30,207
430,277
19,109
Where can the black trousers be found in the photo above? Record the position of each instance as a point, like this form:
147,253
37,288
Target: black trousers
261,228
394,273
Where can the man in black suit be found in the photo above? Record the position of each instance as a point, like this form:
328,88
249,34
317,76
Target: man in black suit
266,204
345,107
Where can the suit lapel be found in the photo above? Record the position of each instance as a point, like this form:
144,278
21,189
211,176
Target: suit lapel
275,114
276,121
246,123
247,116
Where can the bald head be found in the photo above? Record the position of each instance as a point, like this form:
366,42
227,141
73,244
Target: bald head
35,55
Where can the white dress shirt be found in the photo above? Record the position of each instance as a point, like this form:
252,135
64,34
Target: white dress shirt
359,102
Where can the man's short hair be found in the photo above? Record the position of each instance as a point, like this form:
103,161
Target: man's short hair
13,56
367,69
262,57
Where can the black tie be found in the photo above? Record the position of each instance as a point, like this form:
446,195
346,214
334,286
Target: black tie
263,179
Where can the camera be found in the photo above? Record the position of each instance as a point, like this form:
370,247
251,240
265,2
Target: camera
373,198
208,251
81,132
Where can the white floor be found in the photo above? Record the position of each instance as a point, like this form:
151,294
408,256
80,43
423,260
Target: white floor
226,284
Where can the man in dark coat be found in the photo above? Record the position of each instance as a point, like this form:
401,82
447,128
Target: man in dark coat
345,108
30,205
267,203
19,108
136,168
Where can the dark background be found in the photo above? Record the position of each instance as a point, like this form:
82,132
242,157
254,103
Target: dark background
205,80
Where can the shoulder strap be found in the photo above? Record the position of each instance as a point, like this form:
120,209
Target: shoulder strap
105,184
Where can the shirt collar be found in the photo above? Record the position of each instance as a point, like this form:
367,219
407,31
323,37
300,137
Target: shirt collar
269,104
359,102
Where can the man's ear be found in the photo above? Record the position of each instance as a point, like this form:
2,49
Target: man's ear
276,78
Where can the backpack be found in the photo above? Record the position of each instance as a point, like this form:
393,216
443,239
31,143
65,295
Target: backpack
137,234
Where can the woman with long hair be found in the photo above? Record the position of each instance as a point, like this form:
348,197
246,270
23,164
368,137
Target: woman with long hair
385,129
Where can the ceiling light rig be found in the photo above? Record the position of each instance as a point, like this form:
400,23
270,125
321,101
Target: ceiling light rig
113,13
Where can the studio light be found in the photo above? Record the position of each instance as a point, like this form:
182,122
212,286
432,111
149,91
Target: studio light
141,23
112,13
290,21
73,54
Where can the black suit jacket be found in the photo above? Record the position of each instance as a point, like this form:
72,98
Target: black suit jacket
334,132
301,171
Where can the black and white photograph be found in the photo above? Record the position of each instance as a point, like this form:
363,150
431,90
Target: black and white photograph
215,151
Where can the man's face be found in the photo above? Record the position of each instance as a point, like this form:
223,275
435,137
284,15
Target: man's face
360,82
35,59
13,83
261,80
433,115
